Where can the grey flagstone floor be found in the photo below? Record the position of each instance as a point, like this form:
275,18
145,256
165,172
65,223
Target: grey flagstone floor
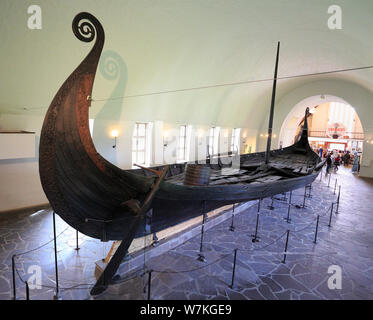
177,274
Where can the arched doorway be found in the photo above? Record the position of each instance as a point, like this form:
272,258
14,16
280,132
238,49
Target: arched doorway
333,125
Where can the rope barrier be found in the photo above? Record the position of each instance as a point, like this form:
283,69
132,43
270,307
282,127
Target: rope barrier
41,246
76,286
195,269
221,258
240,249
88,285
266,246
83,286
307,226
310,223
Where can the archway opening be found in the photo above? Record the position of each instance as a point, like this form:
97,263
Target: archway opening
333,125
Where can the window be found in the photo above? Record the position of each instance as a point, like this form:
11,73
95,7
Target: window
213,141
235,140
181,148
183,143
141,144
341,113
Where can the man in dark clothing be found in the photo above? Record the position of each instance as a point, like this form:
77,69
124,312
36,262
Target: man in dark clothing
328,162
346,158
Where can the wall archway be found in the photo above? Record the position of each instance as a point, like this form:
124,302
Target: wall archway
340,91
291,122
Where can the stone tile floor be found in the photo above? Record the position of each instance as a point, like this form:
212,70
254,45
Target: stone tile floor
177,274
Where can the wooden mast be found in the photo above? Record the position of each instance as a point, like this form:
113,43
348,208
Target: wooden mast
272,108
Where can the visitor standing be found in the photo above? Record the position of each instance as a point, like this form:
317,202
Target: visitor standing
347,158
328,162
356,165
337,162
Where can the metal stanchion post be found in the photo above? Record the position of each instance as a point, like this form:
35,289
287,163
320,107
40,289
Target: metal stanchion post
14,278
286,246
291,194
27,291
201,256
304,198
255,236
259,204
335,185
309,191
329,179
288,216
155,240
317,228
56,296
330,218
339,195
231,228
271,207
77,241
149,283
234,267
284,196
149,218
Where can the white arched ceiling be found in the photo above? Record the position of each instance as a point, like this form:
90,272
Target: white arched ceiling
175,44
168,45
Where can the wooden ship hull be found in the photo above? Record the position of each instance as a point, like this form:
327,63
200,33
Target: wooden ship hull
288,170
103,201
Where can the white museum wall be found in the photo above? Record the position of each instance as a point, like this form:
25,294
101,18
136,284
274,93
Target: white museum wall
178,45
20,185
19,178
17,145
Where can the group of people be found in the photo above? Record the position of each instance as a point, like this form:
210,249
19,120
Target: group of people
335,158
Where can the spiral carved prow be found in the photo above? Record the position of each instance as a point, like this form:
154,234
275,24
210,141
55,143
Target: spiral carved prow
85,26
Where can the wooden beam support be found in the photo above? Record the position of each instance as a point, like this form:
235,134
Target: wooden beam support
114,263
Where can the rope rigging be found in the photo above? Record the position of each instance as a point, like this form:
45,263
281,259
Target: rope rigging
237,83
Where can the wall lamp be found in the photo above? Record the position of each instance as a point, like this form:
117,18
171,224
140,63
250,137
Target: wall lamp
265,135
244,137
165,139
114,134
199,136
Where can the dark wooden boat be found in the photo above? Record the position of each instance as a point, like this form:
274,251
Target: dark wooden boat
105,202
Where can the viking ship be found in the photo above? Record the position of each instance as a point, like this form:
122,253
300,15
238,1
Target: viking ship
103,201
